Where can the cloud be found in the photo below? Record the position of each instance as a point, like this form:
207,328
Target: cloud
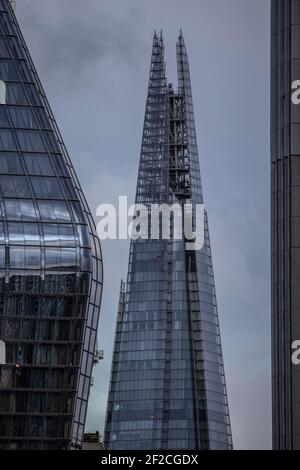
75,36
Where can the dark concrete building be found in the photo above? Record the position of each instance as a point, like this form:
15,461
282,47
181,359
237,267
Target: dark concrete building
285,170
50,265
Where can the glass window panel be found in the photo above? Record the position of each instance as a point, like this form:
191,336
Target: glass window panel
7,186
20,210
46,187
3,48
78,213
7,70
68,258
27,210
98,295
14,186
52,143
66,235
2,92
25,118
61,211
69,188
16,233
54,211
17,257
61,258
6,25
22,118
14,47
31,91
38,165
2,261
3,113
32,236
51,234
24,72
30,141
86,259
1,232
47,211
59,235
60,166
6,140
83,235
33,258
15,94
10,163
43,119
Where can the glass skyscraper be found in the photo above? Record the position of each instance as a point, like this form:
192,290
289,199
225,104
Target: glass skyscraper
285,195
167,388
50,265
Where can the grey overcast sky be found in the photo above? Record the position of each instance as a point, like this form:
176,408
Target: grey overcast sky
93,58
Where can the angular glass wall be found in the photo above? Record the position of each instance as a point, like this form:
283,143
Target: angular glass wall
167,388
50,265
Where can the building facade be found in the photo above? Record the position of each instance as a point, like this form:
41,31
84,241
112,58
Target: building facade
167,388
50,265
92,441
285,195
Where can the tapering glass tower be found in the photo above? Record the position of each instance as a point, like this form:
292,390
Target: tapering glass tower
285,196
50,265
167,387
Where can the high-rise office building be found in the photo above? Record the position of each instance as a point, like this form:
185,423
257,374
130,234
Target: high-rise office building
50,265
285,169
167,387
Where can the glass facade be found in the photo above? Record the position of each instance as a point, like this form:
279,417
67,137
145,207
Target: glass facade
167,388
285,196
50,265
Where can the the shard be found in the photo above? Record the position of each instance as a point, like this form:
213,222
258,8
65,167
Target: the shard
50,265
167,388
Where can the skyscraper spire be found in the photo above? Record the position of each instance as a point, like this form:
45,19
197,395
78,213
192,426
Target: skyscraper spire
167,387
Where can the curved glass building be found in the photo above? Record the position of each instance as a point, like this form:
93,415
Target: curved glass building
167,387
50,265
